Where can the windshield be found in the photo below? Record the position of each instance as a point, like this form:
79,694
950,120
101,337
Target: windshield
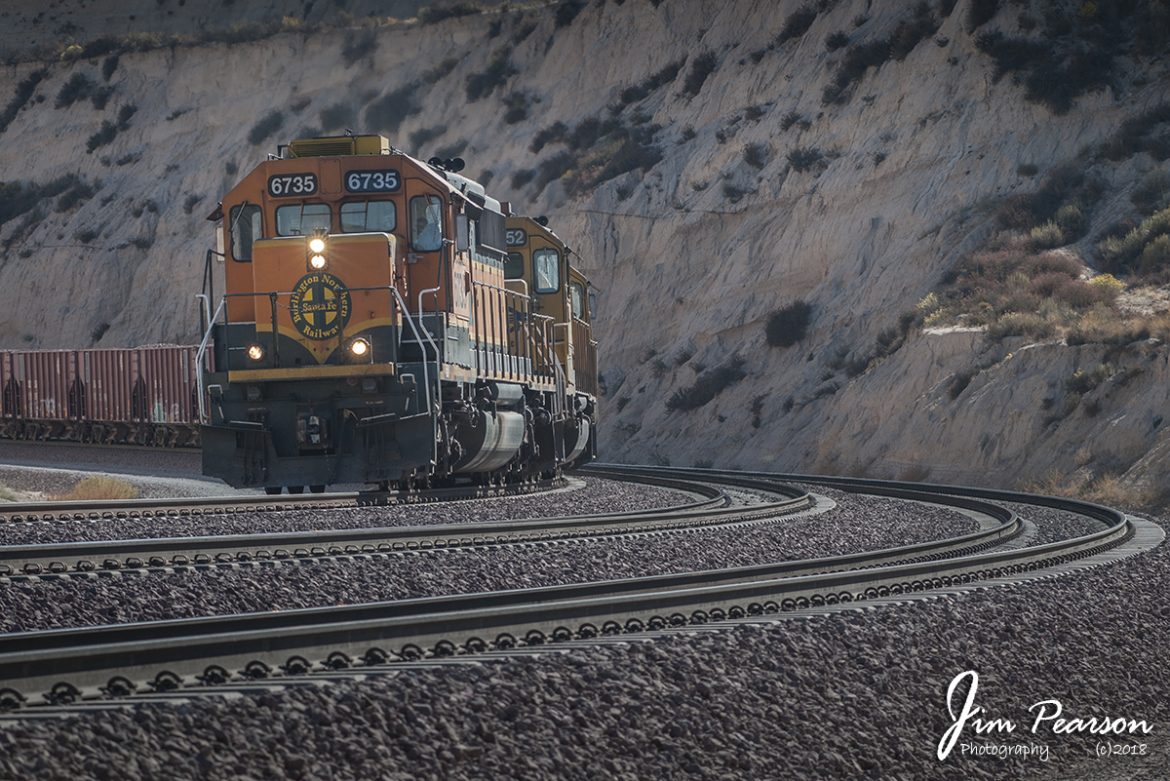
363,216
301,219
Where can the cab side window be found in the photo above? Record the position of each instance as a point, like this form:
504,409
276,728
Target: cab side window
547,267
244,226
426,223
301,219
577,299
514,266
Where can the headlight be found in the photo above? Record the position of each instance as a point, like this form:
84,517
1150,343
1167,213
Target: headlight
255,352
359,347
317,262
317,245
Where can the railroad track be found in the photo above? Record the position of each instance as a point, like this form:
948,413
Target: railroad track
208,654
98,558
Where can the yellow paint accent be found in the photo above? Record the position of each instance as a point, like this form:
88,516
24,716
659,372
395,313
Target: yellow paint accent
312,372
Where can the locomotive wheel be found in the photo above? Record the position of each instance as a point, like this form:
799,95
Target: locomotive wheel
317,489
296,489
272,490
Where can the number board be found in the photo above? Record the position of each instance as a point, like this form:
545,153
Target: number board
515,237
292,185
385,181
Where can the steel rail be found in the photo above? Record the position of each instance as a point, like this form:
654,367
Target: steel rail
60,664
714,508
99,509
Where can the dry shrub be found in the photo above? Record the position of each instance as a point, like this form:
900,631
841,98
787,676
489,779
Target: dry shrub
99,487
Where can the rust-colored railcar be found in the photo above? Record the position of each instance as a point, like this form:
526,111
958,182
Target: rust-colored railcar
141,395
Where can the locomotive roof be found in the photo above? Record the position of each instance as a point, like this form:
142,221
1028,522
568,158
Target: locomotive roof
375,146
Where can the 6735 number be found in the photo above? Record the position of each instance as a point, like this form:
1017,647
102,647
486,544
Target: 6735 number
372,181
287,185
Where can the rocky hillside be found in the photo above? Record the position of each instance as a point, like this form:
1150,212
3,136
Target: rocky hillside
827,236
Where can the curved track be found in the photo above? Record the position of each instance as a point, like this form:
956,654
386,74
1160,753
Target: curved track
62,666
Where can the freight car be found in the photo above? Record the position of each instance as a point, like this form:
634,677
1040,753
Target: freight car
367,333
144,395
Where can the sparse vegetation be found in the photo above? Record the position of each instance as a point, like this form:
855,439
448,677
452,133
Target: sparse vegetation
860,57
1152,193
266,127
105,134
24,90
708,385
757,409
522,177
1014,291
191,202
1144,249
499,70
837,40
18,198
788,324
567,11
958,383
557,131
99,487
436,13
1105,488
753,113
1076,52
1146,132
358,47
439,71
980,12
793,118
756,155
806,158
338,115
733,192
651,84
109,65
77,87
425,135
516,107
79,192
701,67
387,112
1082,382
797,23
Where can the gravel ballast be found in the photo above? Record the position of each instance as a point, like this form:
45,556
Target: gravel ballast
856,524
855,695
596,496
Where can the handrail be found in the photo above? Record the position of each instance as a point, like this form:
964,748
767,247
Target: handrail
418,337
201,352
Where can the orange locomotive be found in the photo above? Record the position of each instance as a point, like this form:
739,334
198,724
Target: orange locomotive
367,334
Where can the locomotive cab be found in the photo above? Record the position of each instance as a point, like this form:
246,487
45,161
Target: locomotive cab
366,334
538,264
